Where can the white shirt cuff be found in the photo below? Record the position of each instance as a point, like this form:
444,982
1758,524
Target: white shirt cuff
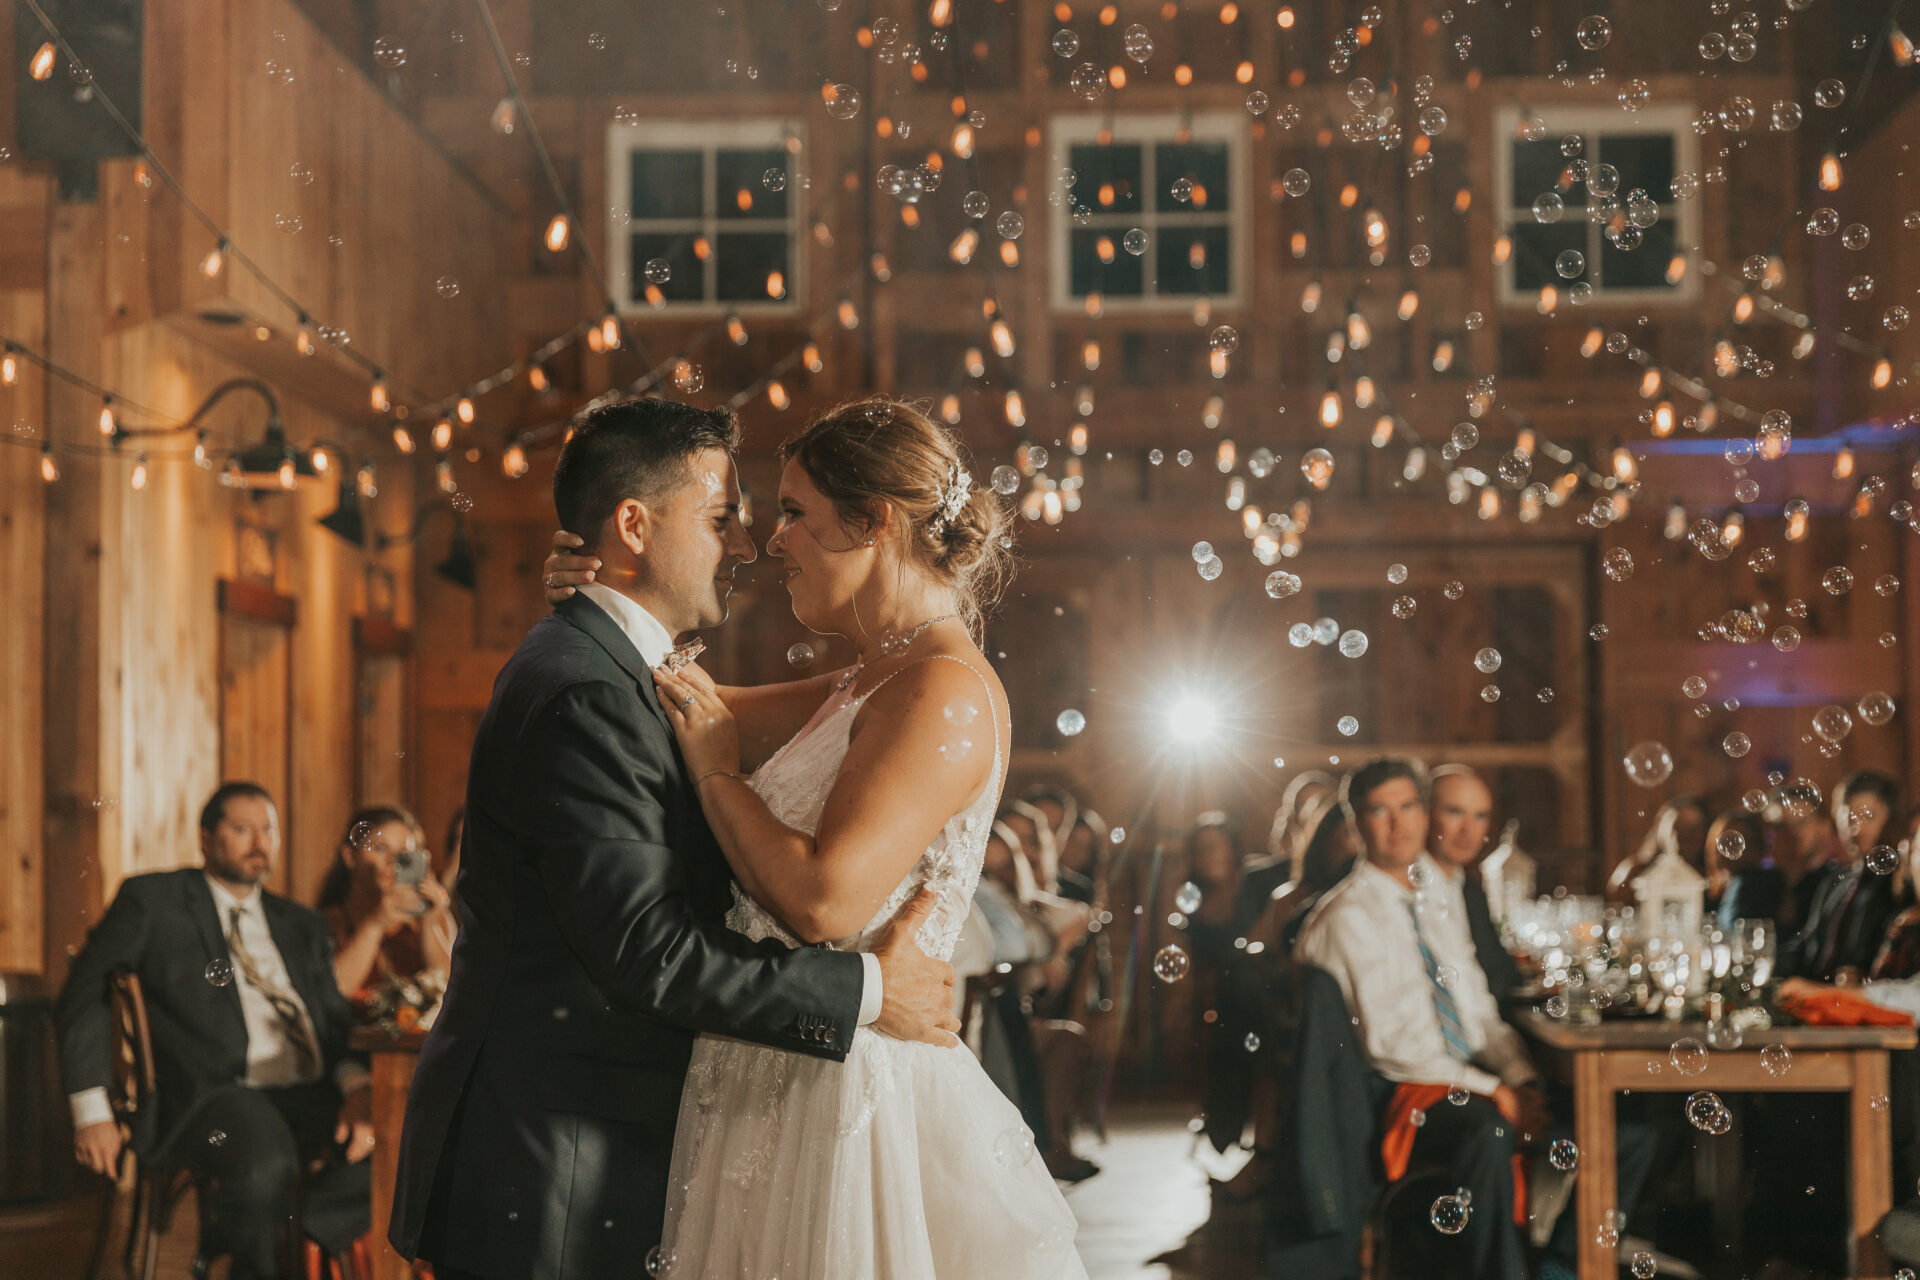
350,1075
870,996
90,1106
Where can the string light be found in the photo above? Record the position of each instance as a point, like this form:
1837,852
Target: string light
216,259
1330,409
139,477
736,331
366,482
1310,297
559,232
443,476
777,394
1016,409
1663,419
513,463
109,426
49,469
950,409
402,438
1002,335
1882,373
200,458
610,331
377,393
287,475
303,340
321,461
464,411
41,67
1409,304
9,367
1797,512
1831,175
1734,527
1843,464
810,356
442,436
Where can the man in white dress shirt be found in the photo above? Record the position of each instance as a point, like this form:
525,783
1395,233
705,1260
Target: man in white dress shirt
1425,1015
249,1037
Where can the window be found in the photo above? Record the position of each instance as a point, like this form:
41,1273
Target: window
698,198
1181,182
1647,149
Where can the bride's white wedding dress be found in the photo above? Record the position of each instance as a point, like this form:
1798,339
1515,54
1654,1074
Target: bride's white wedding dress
905,1162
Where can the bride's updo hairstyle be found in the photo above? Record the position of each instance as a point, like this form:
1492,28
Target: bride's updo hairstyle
881,451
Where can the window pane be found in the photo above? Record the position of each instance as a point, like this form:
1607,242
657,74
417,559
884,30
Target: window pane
1536,170
666,184
1642,268
745,261
677,249
1191,260
1202,163
1535,247
1107,178
1124,277
740,189
1644,160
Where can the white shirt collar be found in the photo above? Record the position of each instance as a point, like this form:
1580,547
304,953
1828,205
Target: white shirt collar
225,900
652,640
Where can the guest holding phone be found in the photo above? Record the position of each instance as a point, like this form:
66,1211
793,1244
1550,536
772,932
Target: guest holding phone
390,916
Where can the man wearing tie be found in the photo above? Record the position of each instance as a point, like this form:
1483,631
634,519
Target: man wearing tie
1460,819
249,1031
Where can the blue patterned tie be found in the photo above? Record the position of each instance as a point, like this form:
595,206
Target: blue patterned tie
1443,1004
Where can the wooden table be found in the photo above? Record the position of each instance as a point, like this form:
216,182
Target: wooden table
394,1055
1603,1060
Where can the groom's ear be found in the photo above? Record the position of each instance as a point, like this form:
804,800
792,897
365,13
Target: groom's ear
632,525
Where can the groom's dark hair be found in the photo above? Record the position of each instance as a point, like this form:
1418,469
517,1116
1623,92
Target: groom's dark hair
637,448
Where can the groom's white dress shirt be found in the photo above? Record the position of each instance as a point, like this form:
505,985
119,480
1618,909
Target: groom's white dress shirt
655,643
1362,932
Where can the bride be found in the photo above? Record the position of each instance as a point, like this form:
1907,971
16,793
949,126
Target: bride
906,1161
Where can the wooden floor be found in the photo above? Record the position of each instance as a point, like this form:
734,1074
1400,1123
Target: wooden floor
1144,1217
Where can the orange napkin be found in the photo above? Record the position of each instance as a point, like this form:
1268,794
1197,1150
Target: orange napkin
1396,1143
1838,1008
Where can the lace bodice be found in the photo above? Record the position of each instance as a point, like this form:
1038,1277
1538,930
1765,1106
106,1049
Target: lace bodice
794,784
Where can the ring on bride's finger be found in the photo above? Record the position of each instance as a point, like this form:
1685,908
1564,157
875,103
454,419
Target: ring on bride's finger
686,702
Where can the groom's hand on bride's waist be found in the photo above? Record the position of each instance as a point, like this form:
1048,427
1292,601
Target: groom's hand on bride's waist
916,990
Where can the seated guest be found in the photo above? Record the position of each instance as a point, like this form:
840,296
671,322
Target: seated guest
1329,855
1900,953
386,930
1681,825
1460,821
1427,1021
1293,821
1085,854
1776,875
1039,854
249,1037
1847,917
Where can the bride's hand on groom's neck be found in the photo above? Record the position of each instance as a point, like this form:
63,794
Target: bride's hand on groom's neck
916,990
567,567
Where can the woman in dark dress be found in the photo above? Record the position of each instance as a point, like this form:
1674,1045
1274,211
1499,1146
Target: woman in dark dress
1900,954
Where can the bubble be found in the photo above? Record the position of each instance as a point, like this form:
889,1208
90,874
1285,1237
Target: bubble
1879,1102
447,287
1635,94
1882,859
1353,644
1211,568
1688,1056
1010,224
1876,708
1487,661
1013,1148
1563,1155
1170,963
1458,1095
1088,81
657,271
1736,745
1281,584
1187,898
1617,564
1138,43
1490,693
1832,722
1829,93
217,1138
1070,723
1649,764
1449,1215
1317,466
1454,590
1347,725
1005,481
843,102
1545,695
1464,436
1643,1266
1593,33
219,973
1516,467
1404,607
1296,182
975,204
800,655
954,750
960,712
1257,103
1777,1059
389,53
1724,1035
288,224
1396,574
1065,43
1420,255
1252,1043
1896,319
1823,222
1433,121
1548,206
1707,1113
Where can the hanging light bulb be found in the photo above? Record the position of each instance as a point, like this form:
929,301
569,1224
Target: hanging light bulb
1882,373
287,475
849,316
950,409
1663,419
1502,250
777,394
1831,174
1330,409
1016,409
1310,297
402,438
1297,244
963,246
1217,363
559,232
810,357
1409,304
1382,431
9,367
1090,354
303,339
1625,469
1489,503
1843,463
1225,456
200,458
1743,308
41,66
464,411
1363,393
595,343
1415,465
1803,345
1734,527
216,258
1051,507
377,393
1726,360
736,331
366,482
1336,346
109,425
1083,400
976,364
49,469
537,377
1002,335
513,463
1676,525
442,436
1443,356
1359,333
139,477
610,331
1214,410
321,460
1549,300
1591,344
443,476
1077,441
1798,510
1709,415
1649,384
502,118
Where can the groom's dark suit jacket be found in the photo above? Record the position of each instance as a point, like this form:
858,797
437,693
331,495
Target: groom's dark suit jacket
591,949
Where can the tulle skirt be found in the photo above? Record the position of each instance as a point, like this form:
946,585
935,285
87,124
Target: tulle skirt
903,1163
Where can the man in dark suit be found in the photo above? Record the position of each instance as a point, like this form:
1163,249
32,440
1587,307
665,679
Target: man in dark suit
591,899
249,1031
1460,821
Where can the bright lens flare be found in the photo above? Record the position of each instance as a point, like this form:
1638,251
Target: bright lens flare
1193,720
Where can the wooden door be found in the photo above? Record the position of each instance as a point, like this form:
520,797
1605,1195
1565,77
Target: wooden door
256,696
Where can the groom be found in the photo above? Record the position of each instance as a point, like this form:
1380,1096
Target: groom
591,899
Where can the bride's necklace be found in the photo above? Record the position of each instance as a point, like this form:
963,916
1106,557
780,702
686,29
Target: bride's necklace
888,647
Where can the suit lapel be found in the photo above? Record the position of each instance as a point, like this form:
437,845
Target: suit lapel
280,929
592,619
206,919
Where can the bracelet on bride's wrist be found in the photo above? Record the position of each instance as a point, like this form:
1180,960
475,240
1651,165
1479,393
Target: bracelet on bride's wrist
720,773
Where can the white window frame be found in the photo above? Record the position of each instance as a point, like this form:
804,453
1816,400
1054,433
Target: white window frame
707,137
1592,123
1231,128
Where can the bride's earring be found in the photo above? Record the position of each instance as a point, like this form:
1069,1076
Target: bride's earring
869,542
